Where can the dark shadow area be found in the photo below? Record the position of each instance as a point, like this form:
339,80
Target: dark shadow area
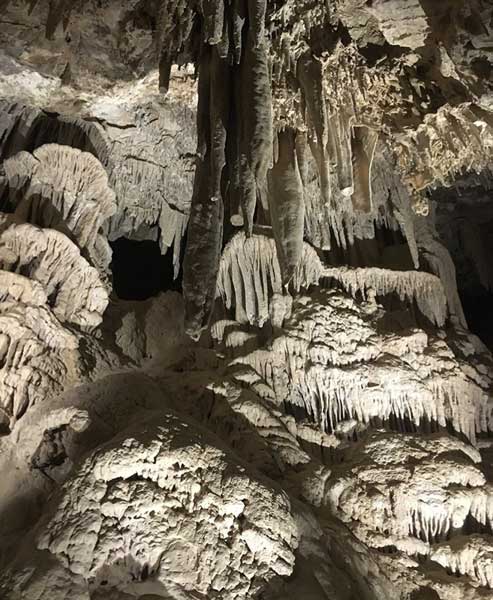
140,271
464,219
29,133
478,309
387,250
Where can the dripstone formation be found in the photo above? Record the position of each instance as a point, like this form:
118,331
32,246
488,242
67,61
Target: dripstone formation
303,408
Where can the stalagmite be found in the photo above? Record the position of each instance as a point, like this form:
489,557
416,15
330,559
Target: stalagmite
332,363
406,502
243,530
18,288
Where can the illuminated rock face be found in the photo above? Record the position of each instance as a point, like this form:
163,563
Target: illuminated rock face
165,512
302,410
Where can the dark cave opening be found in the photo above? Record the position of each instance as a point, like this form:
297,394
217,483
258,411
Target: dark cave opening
464,220
388,249
478,310
140,271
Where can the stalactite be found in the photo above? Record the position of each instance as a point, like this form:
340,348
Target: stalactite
165,63
205,231
339,144
234,131
441,263
301,150
213,11
309,74
248,193
219,116
424,288
58,12
256,14
201,263
363,144
250,276
204,103
309,366
256,124
287,205
444,144
233,190
174,22
238,18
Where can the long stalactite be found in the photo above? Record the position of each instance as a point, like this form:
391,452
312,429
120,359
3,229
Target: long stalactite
234,120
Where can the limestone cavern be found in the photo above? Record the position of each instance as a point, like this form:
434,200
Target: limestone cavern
246,299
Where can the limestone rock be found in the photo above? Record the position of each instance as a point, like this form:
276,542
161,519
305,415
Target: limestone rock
74,288
169,513
65,189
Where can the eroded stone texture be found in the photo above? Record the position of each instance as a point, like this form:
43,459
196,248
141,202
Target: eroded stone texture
169,513
74,288
59,187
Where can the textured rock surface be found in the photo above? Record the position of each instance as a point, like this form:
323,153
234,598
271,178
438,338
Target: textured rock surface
169,514
74,288
62,188
301,409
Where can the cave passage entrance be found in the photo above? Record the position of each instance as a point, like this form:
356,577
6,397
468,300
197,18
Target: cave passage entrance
478,310
140,271
464,220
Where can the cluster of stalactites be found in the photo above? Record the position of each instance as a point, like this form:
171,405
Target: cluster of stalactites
245,169
342,149
234,119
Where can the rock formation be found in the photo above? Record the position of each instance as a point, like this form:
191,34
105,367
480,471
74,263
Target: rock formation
303,405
